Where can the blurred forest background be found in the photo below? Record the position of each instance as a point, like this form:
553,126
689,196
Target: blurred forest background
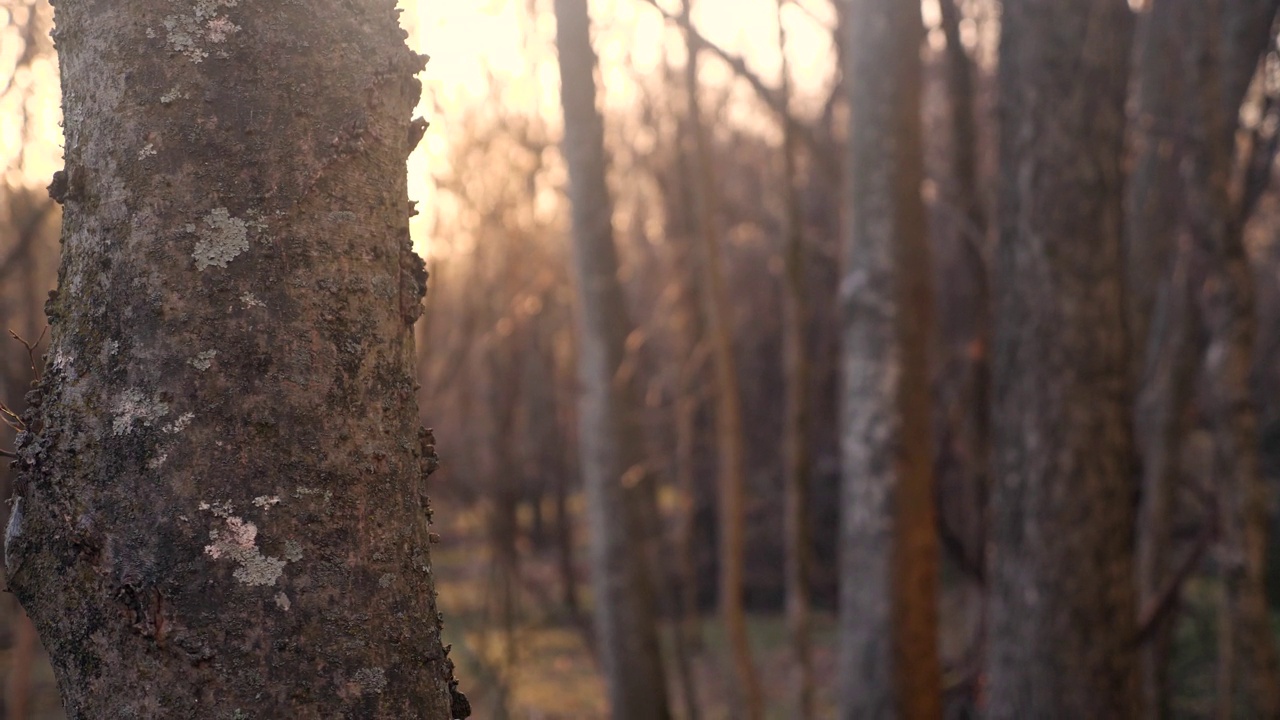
758,167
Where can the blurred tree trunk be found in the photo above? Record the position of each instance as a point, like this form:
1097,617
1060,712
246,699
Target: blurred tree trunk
889,546
975,396
963,490
730,436
1061,628
221,501
797,421
1160,313
612,448
685,408
1250,677
1168,342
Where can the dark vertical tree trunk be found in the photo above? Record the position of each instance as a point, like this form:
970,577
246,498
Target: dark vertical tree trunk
221,508
1160,314
1250,681
889,547
612,447
1061,626
974,431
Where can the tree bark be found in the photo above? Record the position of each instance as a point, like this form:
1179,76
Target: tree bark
1165,358
1062,615
889,547
1251,677
797,372
612,447
730,436
222,506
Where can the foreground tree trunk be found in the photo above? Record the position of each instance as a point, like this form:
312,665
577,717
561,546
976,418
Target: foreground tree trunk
1061,626
221,508
889,547
611,443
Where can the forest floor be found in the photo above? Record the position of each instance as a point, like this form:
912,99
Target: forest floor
533,661
542,668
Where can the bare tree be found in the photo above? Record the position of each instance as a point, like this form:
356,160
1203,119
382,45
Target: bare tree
612,448
797,370
1249,672
889,547
220,509
730,437
1061,628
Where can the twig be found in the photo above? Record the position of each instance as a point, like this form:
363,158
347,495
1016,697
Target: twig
12,419
31,349
1157,611
770,96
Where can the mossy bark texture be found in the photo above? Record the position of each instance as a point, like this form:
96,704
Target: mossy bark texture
221,508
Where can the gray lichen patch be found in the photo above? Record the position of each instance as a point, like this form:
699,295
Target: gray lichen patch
371,680
282,601
203,360
238,541
301,492
110,349
134,407
173,95
221,238
191,33
266,501
179,423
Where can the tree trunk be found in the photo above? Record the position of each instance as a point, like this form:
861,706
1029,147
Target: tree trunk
1165,359
730,436
796,433
1227,304
612,448
889,547
1061,626
221,508
1167,342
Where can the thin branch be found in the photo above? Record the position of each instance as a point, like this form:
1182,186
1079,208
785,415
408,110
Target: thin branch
811,14
770,96
31,349
1158,610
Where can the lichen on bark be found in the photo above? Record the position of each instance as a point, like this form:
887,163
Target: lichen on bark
219,342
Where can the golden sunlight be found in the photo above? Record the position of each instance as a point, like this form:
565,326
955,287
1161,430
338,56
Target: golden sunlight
499,54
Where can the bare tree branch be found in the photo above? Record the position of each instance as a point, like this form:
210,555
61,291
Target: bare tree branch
772,98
